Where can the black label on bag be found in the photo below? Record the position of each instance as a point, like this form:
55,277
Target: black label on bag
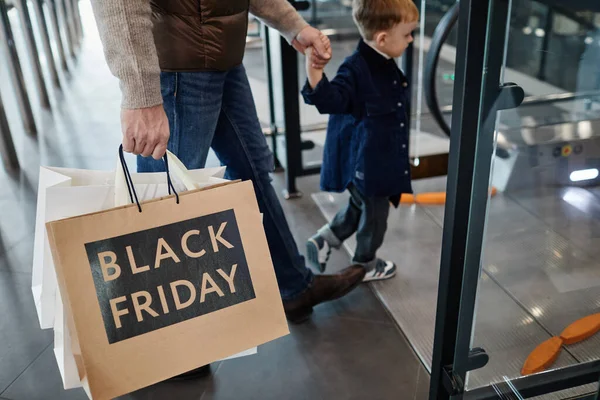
162,276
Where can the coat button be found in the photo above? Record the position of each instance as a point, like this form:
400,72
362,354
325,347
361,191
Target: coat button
406,172
399,104
405,84
401,124
403,146
395,82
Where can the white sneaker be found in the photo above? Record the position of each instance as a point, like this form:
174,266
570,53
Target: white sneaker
318,252
383,270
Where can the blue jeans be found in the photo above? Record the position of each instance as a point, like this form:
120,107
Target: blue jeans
216,109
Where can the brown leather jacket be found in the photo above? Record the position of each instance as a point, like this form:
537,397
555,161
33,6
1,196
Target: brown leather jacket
200,35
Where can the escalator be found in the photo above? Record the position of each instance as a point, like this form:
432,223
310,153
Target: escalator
536,140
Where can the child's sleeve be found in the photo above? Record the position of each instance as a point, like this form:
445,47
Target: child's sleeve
333,97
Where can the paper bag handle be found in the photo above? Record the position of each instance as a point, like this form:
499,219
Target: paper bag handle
129,180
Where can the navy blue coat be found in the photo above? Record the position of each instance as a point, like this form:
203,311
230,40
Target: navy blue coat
367,134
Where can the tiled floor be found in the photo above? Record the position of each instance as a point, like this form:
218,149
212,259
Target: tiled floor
350,349
539,275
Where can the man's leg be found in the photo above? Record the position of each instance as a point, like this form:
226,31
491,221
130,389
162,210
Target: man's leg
192,101
241,145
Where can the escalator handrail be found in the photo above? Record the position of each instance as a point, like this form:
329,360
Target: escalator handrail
440,35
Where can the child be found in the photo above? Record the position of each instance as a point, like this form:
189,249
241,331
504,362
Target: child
366,149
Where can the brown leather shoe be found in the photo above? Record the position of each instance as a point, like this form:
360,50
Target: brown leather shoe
323,288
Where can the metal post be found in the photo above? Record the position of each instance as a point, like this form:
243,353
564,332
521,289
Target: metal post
545,41
67,23
7,147
469,66
495,96
313,12
478,97
73,24
32,50
77,21
45,35
14,66
53,10
407,67
272,120
291,107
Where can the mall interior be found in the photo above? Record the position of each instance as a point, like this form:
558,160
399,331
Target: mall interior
505,105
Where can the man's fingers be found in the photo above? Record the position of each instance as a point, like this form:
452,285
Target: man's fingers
321,50
128,144
148,150
140,145
320,63
326,42
145,131
159,151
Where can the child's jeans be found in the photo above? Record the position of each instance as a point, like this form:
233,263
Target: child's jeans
367,216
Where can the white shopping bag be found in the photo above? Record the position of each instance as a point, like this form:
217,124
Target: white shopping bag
69,192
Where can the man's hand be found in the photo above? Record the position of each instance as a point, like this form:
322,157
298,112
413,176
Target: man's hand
312,37
145,131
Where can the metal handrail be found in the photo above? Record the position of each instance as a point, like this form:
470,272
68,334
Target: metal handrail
546,99
439,37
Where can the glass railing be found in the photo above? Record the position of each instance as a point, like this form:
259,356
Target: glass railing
539,289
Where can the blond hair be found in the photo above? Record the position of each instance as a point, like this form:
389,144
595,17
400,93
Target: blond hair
372,16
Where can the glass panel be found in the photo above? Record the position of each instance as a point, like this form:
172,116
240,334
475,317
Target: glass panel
540,271
334,17
506,390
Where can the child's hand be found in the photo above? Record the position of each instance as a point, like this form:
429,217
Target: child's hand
321,55
314,67
313,61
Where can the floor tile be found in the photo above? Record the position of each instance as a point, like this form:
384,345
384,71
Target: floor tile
344,355
19,258
41,381
21,337
422,392
184,390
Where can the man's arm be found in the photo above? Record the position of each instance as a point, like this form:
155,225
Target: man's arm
282,16
279,15
125,28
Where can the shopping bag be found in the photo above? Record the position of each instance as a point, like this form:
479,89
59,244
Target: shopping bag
155,289
77,192
61,200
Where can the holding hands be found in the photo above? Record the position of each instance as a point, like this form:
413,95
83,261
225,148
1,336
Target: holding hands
315,62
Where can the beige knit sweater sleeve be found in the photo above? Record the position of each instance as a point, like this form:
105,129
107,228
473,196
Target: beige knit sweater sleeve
125,28
279,15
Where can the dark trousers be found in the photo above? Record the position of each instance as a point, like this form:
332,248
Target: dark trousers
216,109
365,216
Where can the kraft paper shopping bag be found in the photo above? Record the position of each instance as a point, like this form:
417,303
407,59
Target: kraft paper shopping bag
155,293
76,192
73,192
